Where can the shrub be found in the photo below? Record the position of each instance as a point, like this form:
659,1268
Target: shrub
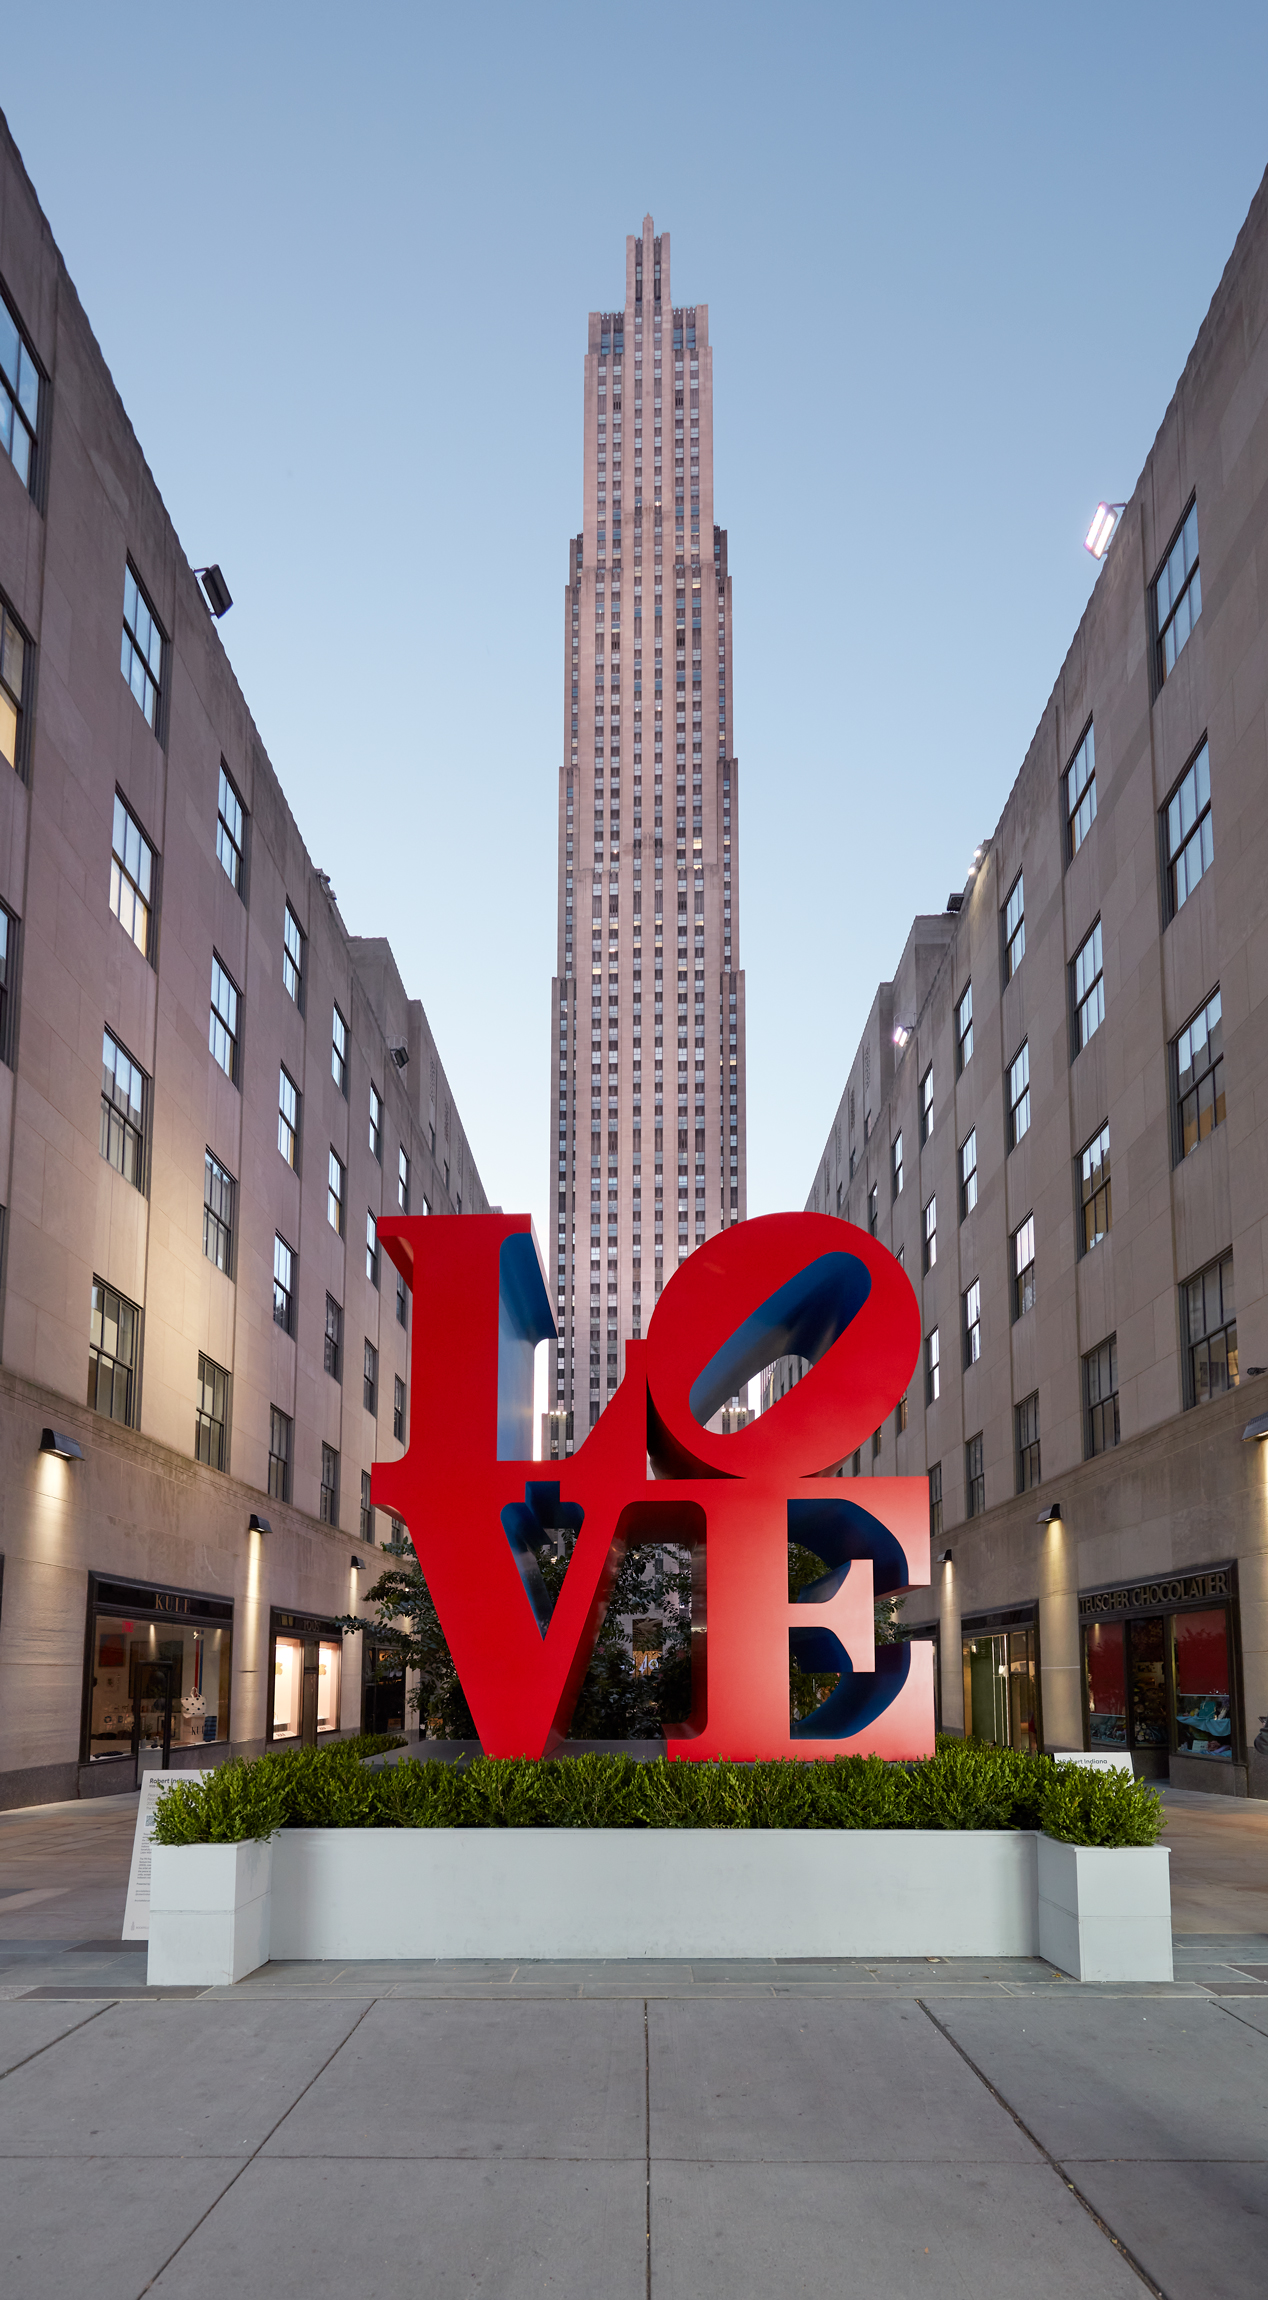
964,1785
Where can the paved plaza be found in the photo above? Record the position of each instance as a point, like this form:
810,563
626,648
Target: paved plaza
695,2131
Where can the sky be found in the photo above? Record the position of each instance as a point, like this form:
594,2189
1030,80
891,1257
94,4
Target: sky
340,264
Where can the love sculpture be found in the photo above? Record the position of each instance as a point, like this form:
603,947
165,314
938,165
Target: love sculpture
478,1507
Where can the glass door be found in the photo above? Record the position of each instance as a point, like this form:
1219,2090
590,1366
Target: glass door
152,1711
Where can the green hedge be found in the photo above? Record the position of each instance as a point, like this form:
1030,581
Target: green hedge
966,1785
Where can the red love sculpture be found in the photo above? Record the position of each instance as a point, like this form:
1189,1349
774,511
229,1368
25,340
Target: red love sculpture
478,1507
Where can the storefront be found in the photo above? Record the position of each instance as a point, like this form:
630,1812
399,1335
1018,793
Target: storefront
305,1676
1001,1678
382,1689
157,1670
1160,1665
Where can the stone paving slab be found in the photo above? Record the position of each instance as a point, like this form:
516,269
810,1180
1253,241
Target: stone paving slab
26,2029
98,2226
1200,2229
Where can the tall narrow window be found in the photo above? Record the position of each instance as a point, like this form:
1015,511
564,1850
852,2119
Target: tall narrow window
376,1124
131,876
230,832
1100,1398
1199,1075
1088,975
930,1254
872,1210
1210,1317
933,1372
1026,1419
402,1311
334,1193
1014,928
367,1513
398,1408
371,1249
211,1414
12,674
964,1028
926,1105
219,1190
973,1323
329,1496
402,1181
1177,596
19,397
1080,795
339,1051
935,1502
1019,1095
123,1100
223,1031
288,1117
1189,838
974,1477
280,1440
1024,1268
968,1174
113,1350
292,956
370,1379
896,1164
283,1286
8,973
333,1356
1094,1191
141,661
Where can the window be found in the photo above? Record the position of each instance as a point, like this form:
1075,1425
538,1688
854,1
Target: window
223,1033
933,1378
288,1118
1014,929
141,661
973,1323
1023,1258
1088,976
123,1099
968,1175
229,831
896,1161
926,1105
329,1496
1026,1423
339,1051
935,1502
376,1124
334,1337
334,1193
402,1182
8,976
1177,596
19,398
283,1286
1199,1074
974,1478
964,1029
292,956
398,1409
131,876
1094,1191
1019,1095
1080,795
113,1350
872,1210
930,1254
402,1310
900,1415
211,1414
1210,1315
371,1249
367,1513
370,1379
1189,840
219,1188
280,1437
1100,1398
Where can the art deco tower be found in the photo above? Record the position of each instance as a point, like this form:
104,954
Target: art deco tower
647,1131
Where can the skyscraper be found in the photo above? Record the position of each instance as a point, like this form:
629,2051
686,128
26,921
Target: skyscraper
647,1134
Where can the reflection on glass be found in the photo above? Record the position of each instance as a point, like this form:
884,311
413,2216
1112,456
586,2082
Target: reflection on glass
1148,1685
1204,1711
133,1664
999,1689
1105,1660
329,1659
288,1687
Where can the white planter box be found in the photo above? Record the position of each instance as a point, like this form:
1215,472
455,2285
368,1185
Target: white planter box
597,1893
210,1907
1105,1913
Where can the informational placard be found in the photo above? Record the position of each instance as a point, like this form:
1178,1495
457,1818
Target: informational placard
136,1915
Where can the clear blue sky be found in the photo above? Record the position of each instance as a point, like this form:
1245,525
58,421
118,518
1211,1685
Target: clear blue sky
340,260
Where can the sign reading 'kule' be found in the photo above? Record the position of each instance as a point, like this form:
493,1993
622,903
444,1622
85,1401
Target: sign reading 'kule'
478,1507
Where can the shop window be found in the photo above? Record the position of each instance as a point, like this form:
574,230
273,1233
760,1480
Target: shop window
1159,1682
1200,1673
113,1354
1000,1702
306,1686
155,1684
1100,1398
1210,1315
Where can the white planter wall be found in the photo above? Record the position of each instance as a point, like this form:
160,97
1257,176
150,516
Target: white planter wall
316,1894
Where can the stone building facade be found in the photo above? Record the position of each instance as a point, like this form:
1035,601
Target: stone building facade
1056,1118
209,1092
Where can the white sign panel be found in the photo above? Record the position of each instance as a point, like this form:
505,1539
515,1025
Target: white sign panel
136,1915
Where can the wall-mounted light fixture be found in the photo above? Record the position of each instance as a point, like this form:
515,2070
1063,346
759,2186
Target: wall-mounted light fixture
1100,534
1050,1516
399,1054
902,1032
358,1565
56,1441
1256,1429
219,598
944,1557
258,1524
